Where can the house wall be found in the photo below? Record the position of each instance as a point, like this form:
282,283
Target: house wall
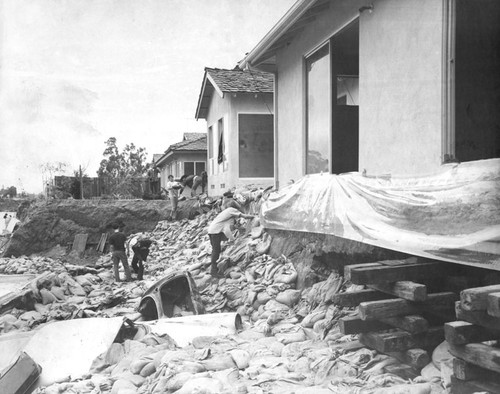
246,103
179,158
399,93
223,177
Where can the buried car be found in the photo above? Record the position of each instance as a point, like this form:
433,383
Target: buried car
175,295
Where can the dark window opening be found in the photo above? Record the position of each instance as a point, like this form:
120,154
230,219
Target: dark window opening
477,80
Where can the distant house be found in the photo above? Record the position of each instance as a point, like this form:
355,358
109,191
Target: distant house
397,87
238,108
188,157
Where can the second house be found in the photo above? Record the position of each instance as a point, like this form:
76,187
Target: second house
238,108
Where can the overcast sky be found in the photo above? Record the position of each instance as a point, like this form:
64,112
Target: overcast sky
76,72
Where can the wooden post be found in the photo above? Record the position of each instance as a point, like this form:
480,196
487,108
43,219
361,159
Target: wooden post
81,183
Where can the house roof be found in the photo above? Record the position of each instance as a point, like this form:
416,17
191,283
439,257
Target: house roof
189,144
156,157
301,14
231,81
193,136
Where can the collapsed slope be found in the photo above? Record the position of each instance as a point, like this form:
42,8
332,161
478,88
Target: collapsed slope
56,222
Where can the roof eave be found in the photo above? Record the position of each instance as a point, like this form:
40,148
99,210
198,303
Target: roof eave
293,14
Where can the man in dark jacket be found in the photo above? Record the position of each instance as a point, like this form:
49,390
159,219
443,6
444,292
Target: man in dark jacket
140,246
117,245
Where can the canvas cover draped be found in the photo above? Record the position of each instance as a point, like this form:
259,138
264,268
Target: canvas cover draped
451,216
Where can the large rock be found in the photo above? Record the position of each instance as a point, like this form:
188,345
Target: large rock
55,222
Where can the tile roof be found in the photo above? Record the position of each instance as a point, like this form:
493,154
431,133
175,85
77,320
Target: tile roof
190,144
238,80
157,156
193,136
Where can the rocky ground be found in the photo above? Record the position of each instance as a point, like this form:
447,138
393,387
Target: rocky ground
290,343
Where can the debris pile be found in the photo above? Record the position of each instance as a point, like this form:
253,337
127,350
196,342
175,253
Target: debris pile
290,341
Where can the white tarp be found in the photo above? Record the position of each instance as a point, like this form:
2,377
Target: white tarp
451,216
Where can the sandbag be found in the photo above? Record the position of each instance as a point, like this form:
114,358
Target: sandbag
415,388
176,382
201,385
240,357
441,354
288,297
47,297
219,362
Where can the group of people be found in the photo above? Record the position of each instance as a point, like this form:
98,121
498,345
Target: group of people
221,229
120,249
175,188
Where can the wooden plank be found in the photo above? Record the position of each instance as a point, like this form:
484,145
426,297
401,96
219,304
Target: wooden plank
384,273
473,386
354,298
479,318
461,332
102,242
411,323
436,303
23,299
416,358
406,290
80,243
397,341
475,299
354,325
403,371
478,354
493,304
466,371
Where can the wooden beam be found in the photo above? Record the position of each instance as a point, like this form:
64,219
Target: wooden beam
436,303
23,299
479,318
397,341
413,324
416,358
354,325
475,299
393,271
461,333
473,386
403,371
493,304
406,290
479,354
354,298
467,371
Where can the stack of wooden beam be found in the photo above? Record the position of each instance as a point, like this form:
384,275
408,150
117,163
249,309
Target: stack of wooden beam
473,341
397,315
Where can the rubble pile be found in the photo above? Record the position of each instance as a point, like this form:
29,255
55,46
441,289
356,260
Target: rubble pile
290,341
64,292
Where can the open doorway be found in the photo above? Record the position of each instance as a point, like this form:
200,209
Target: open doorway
473,131
345,99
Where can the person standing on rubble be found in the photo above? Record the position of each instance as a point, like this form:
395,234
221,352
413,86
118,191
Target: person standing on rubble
140,246
117,245
220,230
195,181
173,189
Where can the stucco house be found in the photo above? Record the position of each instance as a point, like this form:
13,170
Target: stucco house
397,87
188,157
238,108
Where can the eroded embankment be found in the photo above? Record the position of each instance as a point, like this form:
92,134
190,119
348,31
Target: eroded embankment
50,223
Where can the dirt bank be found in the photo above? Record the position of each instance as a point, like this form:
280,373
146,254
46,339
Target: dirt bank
50,223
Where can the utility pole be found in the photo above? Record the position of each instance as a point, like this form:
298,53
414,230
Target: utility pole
81,183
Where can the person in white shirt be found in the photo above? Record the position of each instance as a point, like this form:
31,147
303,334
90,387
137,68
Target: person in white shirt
173,188
220,229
